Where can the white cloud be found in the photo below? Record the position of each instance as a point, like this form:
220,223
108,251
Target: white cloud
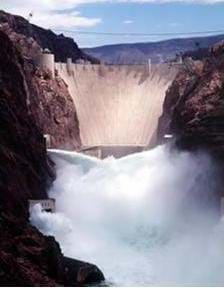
53,13
127,21
50,13
173,1
174,24
63,21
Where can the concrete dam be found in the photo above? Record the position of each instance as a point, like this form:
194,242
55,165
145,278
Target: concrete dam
118,106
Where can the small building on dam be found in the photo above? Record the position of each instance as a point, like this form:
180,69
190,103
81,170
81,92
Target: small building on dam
118,106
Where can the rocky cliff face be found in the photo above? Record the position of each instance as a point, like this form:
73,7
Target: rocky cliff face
54,110
27,258
62,47
49,100
194,105
24,165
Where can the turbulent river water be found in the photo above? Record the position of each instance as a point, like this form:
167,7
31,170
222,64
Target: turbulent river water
145,219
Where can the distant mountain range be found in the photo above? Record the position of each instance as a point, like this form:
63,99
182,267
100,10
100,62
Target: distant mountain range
158,51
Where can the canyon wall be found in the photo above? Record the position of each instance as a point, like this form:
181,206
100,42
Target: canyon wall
27,258
62,47
49,100
26,167
194,105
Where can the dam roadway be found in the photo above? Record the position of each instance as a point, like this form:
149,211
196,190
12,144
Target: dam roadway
117,106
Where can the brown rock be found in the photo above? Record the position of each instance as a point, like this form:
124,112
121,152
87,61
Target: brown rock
49,100
194,106
27,258
62,47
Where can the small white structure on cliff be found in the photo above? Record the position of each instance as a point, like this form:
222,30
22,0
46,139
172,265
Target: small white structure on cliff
47,138
47,205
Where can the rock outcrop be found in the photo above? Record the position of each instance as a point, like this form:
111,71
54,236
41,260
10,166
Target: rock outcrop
27,258
49,100
194,105
24,164
62,47
54,110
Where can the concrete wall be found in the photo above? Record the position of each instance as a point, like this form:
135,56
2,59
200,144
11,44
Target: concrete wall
92,151
48,205
115,151
117,105
47,61
119,151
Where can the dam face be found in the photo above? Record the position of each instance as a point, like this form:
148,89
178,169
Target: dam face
118,107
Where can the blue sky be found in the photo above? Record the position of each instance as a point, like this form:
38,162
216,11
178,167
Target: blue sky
138,16
150,18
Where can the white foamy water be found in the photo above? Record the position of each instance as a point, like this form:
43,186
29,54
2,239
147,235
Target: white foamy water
143,219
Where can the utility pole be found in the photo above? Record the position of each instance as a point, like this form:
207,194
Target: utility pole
29,25
30,16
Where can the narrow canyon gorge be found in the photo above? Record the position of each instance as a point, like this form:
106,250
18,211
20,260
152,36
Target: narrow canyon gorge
132,154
